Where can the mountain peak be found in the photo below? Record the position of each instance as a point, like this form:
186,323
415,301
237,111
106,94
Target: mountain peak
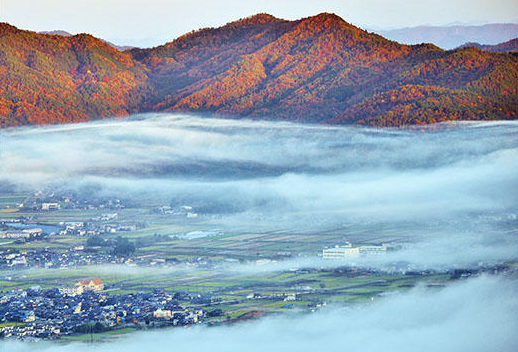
329,16
257,19
327,21
59,32
326,17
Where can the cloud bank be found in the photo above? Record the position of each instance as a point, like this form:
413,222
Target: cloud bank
450,189
261,166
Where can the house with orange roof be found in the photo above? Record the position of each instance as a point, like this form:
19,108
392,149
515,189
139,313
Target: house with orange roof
92,285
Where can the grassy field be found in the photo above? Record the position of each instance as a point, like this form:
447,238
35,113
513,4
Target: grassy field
96,337
11,201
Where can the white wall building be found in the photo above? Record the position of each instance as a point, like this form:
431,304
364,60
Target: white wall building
163,314
346,251
50,206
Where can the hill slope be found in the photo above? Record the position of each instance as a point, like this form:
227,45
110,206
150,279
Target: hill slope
48,78
317,69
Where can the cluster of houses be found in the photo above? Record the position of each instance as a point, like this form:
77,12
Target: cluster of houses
78,256
25,234
82,286
35,313
46,258
184,210
106,217
96,227
49,201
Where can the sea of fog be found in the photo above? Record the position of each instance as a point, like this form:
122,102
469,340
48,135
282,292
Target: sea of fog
276,170
453,188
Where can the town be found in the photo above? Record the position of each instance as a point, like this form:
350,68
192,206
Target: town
79,268
90,306
60,311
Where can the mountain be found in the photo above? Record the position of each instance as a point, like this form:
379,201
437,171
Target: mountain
57,32
509,46
449,37
319,69
120,47
51,78
66,34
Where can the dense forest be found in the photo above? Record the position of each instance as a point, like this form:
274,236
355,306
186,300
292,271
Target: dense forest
317,69
53,79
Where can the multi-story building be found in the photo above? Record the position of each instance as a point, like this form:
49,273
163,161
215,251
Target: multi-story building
345,251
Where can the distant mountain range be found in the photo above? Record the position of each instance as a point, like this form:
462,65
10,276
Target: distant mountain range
66,34
450,37
57,32
319,69
509,46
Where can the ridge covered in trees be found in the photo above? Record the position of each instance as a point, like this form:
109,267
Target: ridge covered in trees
317,69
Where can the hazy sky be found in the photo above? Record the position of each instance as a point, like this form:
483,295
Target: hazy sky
152,22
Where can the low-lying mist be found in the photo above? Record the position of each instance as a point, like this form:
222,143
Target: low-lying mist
267,167
452,188
475,315
446,196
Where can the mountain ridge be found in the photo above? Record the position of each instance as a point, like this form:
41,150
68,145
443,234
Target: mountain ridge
508,46
318,69
451,37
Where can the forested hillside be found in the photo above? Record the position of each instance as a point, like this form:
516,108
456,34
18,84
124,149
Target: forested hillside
52,78
318,69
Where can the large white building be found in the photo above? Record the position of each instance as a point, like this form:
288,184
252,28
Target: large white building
164,314
346,251
50,206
